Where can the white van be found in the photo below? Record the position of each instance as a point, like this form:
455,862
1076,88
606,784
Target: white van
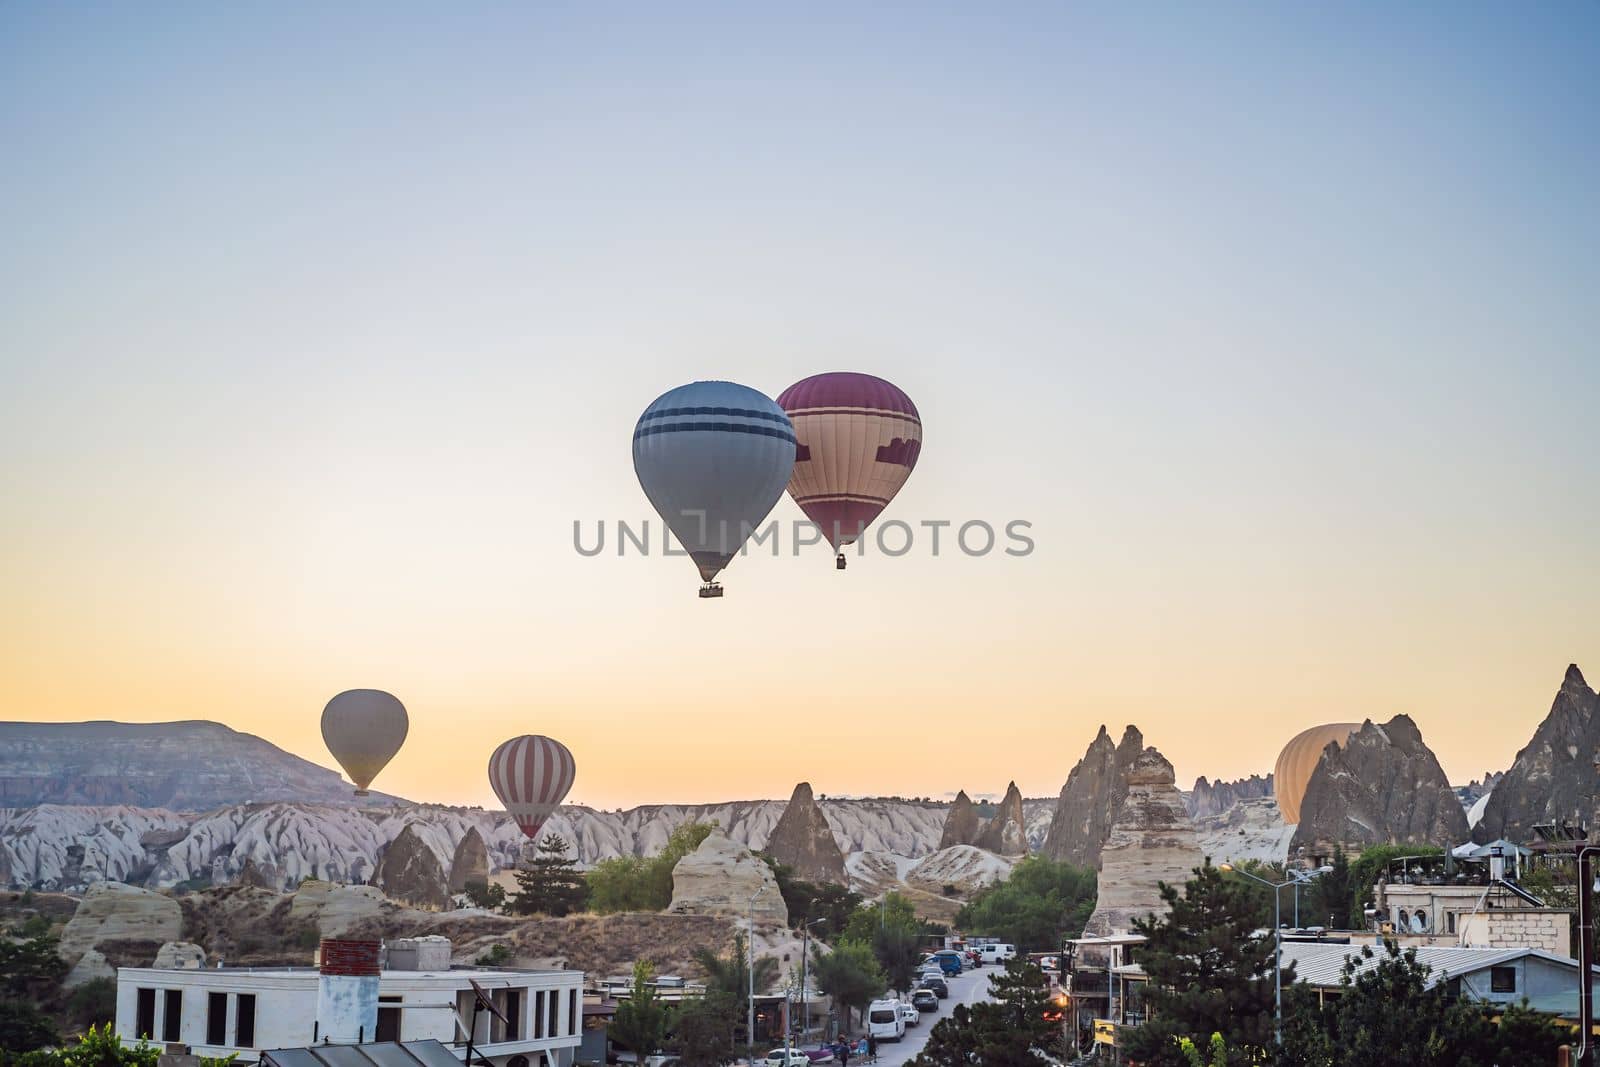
884,1021
996,953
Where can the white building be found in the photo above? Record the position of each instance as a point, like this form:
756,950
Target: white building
217,1011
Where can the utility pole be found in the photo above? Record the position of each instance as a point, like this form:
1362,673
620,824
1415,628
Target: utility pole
1586,853
1277,934
750,1004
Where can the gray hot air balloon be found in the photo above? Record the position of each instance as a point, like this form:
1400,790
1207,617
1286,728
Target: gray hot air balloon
364,728
713,457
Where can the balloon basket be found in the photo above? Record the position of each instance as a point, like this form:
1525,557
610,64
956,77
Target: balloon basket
709,590
838,562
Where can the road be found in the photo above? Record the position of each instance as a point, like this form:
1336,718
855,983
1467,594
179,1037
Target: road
968,987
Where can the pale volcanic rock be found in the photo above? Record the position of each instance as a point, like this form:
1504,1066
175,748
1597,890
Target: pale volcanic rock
90,966
112,911
963,825
1152,841
335,909
253,876
1007,833
184,954
1091,798
965,868
410,872
1214,798
804,841
1554,776
1250,829
720,877
1382,786
470,863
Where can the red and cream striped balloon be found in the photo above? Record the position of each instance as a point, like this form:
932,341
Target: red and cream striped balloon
858,439
531,775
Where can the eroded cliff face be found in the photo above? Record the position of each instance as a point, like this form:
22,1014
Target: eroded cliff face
1151,841
1091,798
410,872
1007,833
1554,776
803,840
1383,786
963,825
1215,798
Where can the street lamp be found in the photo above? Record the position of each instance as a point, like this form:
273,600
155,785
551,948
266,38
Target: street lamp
1277,935
750,1005
805,976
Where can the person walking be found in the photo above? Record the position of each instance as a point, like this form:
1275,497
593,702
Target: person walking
844,1053
872,1048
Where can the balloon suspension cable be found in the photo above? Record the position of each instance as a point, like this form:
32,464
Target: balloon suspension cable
710,590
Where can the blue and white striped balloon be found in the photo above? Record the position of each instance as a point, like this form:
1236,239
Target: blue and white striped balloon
713,457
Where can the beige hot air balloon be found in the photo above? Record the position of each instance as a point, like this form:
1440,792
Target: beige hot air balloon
364,728
1298,759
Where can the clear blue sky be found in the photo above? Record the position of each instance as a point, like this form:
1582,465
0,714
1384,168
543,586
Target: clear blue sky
319,327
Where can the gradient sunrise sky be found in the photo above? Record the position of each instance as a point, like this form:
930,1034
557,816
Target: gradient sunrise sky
321,324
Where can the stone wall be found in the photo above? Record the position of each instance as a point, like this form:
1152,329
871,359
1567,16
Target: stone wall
1549,929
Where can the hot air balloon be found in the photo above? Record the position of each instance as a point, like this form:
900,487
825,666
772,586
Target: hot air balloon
857,439
364,728
713,457
531,775
1298,759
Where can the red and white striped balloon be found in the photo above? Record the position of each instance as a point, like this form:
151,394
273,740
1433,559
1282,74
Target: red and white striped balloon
531,775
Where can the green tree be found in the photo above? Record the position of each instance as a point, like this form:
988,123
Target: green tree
1036,908
898,949
1374,861
893,910
487,895
1389,1016
551,884
703,1030
1010,1031
849,974
95,1001
1209,971
30,967
1217,1047
732,973
1335,895
640,1023
24,1026
635,883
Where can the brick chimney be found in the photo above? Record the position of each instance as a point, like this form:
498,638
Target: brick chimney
347,992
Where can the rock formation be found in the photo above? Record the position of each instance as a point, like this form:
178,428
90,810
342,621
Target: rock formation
1151,841
183,954
720,877
803,840
410,872
254,876
1091,798
1383,786
334,909
1252,829
1554,775
470,862
1214,798
962,826
958,871
112,912
1007,833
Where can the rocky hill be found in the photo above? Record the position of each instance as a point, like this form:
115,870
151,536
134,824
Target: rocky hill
1554,776
1215,798
804,841
1382,786
183,766
1152,841
1091,798
1007,833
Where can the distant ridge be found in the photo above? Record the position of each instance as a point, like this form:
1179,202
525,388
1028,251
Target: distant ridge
190,765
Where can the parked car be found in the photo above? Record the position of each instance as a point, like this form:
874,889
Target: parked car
795,1058
884,1021
998,953
940,989
925,1000
910,1014
661,1061
949,961
819,1055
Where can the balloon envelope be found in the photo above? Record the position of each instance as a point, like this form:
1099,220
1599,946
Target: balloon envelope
531,775
713,457
858,438
1299,758
364,728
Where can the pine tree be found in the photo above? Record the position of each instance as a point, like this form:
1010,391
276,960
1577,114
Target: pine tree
551,884
1210,972
1009,1032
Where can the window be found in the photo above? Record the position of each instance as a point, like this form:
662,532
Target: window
538,1014
572,1011
216,1018
244,1026
144,1021
388,1019
1503,979
1450,922
172,1016
555,1011
513,1014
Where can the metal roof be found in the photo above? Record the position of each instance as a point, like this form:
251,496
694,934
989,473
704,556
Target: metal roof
377,1054
1323,965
